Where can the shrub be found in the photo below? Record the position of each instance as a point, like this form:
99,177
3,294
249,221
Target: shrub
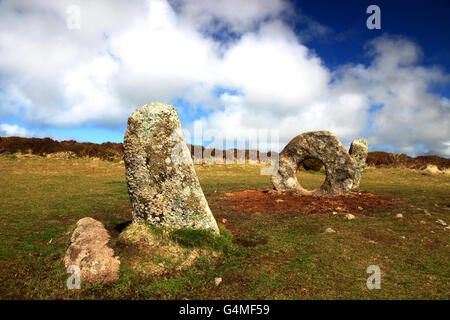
379,159
29,145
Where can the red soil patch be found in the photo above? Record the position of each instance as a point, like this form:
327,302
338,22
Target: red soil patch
271,201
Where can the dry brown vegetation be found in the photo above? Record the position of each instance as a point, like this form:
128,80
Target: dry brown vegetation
42,147
114,151
390,160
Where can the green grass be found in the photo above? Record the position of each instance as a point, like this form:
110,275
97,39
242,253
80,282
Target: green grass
192,238
42,199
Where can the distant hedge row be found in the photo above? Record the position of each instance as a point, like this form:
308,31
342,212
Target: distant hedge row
106,151
114,151
385,159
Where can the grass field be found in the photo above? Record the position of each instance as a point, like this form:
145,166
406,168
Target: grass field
274,255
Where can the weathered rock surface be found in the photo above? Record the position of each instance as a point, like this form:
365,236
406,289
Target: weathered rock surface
217,281
89,251
349,216
359,150
162,183
340,167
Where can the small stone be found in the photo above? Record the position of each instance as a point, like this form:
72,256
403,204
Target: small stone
447,228
441,222
89,251
403,237
330,230
422,222
279,200
360,208
372,242
399,216
334,213
217,281
224,220
349,216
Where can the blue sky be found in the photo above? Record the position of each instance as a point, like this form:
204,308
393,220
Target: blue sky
289,66
425,22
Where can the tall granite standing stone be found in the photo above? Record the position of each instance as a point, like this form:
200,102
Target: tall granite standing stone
359,150
340,167
162,183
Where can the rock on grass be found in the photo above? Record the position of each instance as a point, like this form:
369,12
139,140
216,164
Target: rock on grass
349,216
89,251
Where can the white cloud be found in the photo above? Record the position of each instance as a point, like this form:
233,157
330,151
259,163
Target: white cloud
39,52
8,130
130,53
411,115
233,15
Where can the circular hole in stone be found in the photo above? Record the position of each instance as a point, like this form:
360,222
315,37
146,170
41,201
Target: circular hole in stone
311,174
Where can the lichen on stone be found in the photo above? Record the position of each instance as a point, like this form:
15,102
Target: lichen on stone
359,151
162,183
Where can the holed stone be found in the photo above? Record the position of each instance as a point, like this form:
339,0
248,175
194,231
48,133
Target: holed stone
340,167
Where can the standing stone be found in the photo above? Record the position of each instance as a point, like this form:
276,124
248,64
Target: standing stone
359,150
340,167
162,183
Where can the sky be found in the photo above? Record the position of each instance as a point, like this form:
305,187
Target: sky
235,70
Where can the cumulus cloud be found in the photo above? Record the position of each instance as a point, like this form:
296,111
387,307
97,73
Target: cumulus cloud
231,16
39,56
8,130
411,117
128,53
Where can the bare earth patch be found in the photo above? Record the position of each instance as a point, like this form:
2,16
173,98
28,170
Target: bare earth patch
254,201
